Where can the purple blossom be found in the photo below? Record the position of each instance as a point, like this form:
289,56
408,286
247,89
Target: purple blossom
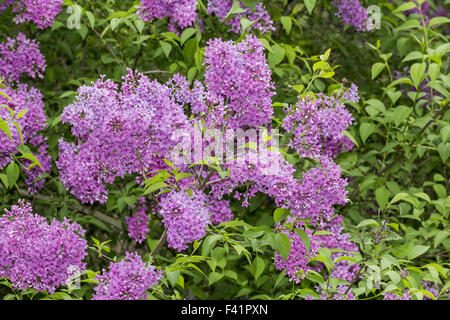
353,13
296,264
38,255
351,94
138,223
397,296
258,15
238,82
20,56
185,217
128,279
27,99
181,13
317,126
120,132
220,210
41,12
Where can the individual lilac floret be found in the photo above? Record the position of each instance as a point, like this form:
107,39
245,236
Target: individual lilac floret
185,217
138,223
238,81
41,12
353,13
181,13
38,255
120,131
128,279
20,56
258,15
317,126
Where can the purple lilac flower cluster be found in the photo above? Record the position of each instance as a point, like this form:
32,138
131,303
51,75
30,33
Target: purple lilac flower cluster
352,12
185,217
119,132
40,12
396,296
28,99
38,255
181,13
317,125
128,279
138,222
238,83
20,56
258,15
296,264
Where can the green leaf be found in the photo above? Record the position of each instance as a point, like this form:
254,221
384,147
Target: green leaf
166,48
235,9
279,214
351,137
365,130
12,172
276,56
282,244
305,238
173,276
91,18
187,33
438,20
32,158
5,128
258,266
406,6
377,68
286,22
440,236
444,151
398,197
417,73
154,187
367,222
214,277
415,251
310,5
382,197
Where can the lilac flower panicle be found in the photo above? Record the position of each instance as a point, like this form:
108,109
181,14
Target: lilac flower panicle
40,12
20,56
185,218
181,13
27,99
138,223
353,13
128,279
120,131
238,82
317,125
258,15
36,254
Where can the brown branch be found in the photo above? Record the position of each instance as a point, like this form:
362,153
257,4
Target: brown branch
87,211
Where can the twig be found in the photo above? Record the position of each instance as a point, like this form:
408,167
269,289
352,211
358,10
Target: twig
95,213
161,242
